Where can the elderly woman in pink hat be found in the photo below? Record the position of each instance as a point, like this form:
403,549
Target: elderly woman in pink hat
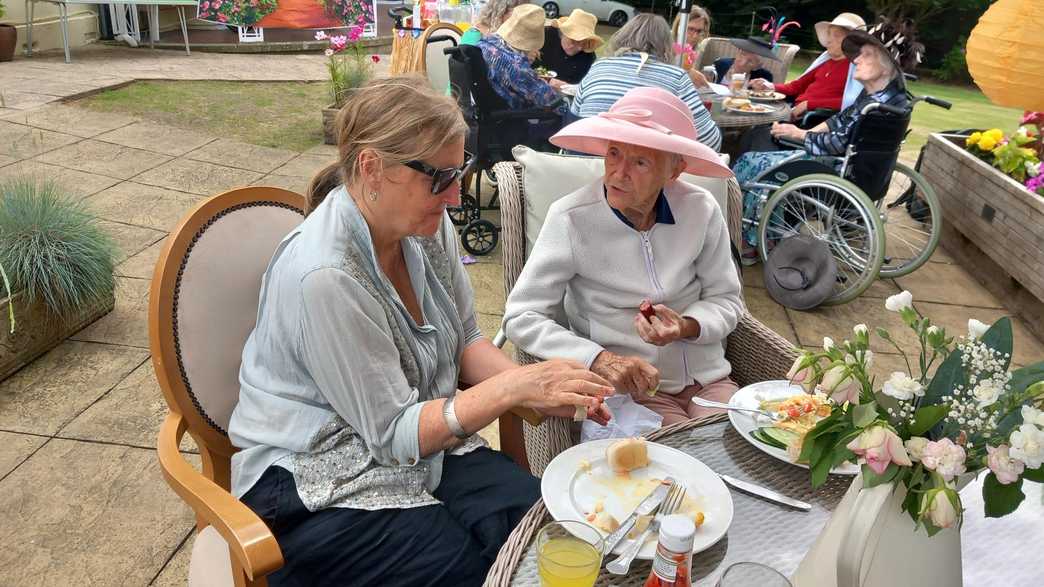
638,237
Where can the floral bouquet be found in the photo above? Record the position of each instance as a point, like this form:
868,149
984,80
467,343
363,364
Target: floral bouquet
348,64
235,12
926,431
1016,155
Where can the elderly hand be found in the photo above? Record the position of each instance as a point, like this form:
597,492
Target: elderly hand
698,79
799,110
556,83
783,130
665,326
630,374
760,85
557,383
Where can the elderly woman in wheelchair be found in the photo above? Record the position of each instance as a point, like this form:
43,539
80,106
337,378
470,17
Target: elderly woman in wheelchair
844,169
358,450
638,261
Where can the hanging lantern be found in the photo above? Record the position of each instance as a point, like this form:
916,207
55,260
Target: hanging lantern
1005,54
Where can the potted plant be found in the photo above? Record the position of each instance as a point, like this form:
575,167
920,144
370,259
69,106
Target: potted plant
8,37
57,269
350,67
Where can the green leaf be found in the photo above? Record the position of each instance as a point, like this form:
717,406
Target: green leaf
948,376
871,479
1034,474
1000,500
882,333
999,338
864,414
927,417
821,469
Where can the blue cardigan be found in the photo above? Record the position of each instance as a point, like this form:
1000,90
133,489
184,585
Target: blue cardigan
722,66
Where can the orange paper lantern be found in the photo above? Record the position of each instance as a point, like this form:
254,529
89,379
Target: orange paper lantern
1005,54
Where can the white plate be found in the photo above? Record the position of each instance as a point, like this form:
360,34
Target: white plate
772,97
750,397
761,109
570,493
569,89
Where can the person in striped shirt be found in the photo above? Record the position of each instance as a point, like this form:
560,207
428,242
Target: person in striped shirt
642,52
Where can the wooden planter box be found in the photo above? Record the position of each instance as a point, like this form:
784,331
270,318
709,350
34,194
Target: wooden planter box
993,224
329,114
38,330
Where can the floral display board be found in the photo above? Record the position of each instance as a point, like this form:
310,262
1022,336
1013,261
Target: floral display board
291,14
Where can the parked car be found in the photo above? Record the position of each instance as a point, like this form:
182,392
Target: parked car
615,13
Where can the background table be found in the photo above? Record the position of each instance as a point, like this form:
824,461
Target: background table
734,124
995,551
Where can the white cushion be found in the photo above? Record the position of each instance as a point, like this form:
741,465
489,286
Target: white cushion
547,177
211,562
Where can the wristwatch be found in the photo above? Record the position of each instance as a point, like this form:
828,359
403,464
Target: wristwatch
450,416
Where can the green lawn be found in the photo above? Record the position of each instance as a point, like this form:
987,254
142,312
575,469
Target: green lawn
285,115
970,109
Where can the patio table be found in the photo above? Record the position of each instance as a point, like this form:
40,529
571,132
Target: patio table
995,551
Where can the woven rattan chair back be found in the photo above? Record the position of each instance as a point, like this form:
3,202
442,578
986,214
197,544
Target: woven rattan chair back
715,48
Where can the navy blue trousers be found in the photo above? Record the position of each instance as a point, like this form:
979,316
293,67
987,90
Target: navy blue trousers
484,495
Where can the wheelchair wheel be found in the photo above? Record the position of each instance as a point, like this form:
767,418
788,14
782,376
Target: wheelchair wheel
833,210
467,212
912,218
480,237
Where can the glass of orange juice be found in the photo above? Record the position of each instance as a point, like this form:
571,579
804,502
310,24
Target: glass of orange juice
569,554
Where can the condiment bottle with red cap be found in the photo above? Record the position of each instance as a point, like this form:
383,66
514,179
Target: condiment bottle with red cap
672,565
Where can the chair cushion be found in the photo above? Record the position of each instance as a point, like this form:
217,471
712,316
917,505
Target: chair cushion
547,177
211,563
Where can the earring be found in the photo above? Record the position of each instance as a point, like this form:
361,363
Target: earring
373,196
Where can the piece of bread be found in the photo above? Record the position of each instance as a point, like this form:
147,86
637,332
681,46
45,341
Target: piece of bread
627,455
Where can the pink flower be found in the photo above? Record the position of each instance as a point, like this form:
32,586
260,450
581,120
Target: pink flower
945,457
215,5
880,446
328,52
1005,468
320,35
938,506
375,58
803,376
354,33
204,6
222,17
839,384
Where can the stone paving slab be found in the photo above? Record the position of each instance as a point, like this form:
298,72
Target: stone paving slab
951,284
175,573
79,184
837,322
86,513
127,324
142,265
130,240
18,141
241,155
769,312
158,138
143,205
105,159
1028,348
15,448
52,390
293,183
71,120
488,279
304,165
197,177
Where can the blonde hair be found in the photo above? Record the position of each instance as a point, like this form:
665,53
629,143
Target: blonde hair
696,12
401,118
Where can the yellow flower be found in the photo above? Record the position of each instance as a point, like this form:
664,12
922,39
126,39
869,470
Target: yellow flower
987,142
973,138
995,134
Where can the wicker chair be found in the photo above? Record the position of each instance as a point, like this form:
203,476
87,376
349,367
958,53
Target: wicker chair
756,352
715,48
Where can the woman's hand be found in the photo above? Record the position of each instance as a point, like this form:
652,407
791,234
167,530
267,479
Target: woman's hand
630,374
665,326
698,79
555,384
555,83
760,85
799,110
782,130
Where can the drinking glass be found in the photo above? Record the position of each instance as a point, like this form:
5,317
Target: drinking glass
751,575
710,73
569,554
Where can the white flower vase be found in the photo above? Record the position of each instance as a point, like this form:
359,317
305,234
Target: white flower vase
870,542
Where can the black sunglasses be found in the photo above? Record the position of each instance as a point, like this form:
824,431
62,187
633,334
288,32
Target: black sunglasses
442,178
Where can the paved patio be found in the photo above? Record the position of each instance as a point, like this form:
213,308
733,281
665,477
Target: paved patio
80,486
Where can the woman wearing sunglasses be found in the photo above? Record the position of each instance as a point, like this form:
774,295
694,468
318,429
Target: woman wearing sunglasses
358,450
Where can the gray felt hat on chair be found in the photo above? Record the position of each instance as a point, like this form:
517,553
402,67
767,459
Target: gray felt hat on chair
800,272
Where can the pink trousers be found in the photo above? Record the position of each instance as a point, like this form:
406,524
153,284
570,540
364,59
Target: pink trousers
679,407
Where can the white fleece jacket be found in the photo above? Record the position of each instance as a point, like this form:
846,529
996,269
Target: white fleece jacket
597,269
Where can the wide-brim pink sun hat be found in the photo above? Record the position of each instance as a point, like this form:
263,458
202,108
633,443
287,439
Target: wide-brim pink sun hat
646,117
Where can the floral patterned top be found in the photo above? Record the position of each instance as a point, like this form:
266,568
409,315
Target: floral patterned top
513,78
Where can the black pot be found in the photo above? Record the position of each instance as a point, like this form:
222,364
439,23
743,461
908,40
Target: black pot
8,40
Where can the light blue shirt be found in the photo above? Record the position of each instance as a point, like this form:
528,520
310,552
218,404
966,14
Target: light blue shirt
325,378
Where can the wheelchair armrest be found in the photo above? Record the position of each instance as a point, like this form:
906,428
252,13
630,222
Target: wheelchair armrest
789,143
814,117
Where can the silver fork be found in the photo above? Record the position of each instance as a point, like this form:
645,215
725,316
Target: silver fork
775,417
621,565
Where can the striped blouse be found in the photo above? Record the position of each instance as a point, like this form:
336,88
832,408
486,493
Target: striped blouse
611,78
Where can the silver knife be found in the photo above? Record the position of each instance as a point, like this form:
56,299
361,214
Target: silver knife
645,507
766,493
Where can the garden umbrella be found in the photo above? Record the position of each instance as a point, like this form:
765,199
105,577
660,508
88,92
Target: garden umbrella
1005,54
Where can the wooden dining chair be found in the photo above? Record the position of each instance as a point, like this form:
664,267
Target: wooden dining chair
202,307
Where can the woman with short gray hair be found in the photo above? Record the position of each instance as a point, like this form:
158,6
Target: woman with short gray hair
642,53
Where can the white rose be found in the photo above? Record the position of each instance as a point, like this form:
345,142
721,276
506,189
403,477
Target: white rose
860,329
976,329
933,330
1027,445
945,457
902,387
1031,415
868,358
987,392
915,447
899,301
828,343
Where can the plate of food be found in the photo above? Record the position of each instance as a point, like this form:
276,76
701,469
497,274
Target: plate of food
601,482
745,106
545,73
765,96
800,412
569,89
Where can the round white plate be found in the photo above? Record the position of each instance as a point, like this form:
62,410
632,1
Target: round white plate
761,109
750,397
569,492
773,97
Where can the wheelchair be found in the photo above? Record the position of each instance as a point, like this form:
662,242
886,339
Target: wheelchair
860,203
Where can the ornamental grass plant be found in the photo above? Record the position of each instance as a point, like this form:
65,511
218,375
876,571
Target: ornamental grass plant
52,248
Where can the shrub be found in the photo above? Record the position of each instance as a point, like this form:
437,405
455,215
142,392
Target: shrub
52,248
954,67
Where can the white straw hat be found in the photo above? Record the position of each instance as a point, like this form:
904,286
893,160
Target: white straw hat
845,20
524,29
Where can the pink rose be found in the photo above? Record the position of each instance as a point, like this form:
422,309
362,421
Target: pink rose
880,446
1005,468
215,5
839,384
945,457
222,17
204,6
938,506
802,376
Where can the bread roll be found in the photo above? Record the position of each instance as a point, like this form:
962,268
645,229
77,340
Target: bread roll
627,455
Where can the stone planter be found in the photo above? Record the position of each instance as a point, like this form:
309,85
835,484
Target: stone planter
992,225
38,330
329,114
